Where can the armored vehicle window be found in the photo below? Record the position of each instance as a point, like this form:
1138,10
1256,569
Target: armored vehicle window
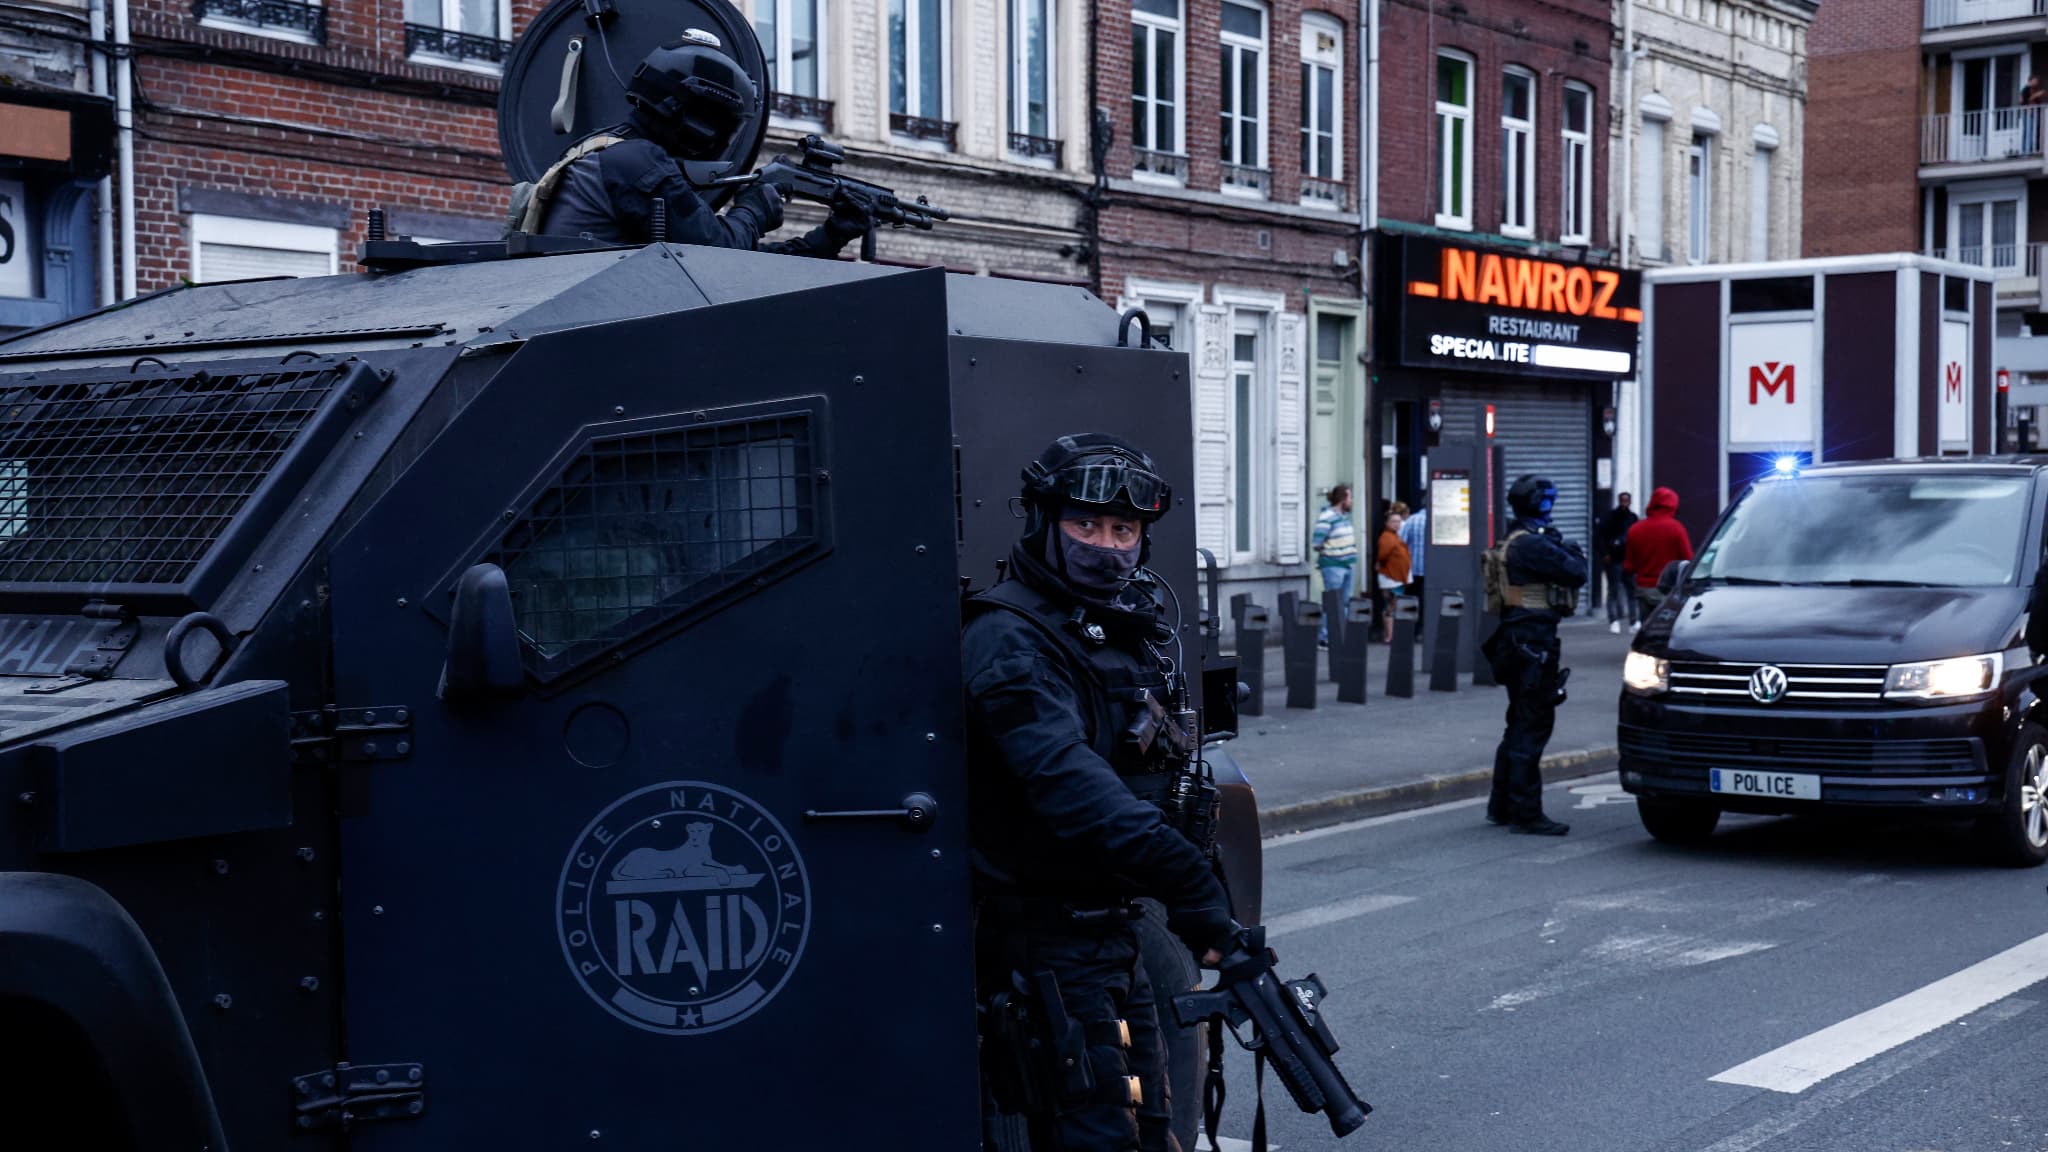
132,480
640,527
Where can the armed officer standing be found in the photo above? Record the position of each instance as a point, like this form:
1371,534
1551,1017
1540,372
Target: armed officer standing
1539,587
688,100
1065,661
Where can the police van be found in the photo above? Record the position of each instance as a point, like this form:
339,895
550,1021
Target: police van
1853,636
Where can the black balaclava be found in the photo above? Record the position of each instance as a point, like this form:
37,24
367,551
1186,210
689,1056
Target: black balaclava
1088,569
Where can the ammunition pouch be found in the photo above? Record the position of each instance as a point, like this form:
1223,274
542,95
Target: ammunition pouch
1035,1056
1541,598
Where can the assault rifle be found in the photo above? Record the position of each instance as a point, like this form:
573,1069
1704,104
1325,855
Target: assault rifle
1288,1030
811,175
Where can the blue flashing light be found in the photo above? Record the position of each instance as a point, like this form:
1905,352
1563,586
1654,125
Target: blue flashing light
1787,465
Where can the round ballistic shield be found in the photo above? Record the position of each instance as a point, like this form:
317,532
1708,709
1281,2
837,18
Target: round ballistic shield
566,78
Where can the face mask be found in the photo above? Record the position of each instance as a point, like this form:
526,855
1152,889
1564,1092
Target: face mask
1095,569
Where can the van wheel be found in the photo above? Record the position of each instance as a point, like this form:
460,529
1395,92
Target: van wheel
2019,832
1678,821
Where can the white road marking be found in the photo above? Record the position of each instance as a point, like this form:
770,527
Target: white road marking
1289,839
1229,1144
1597,795
1332,913
1857,1083
1617,957
1811,1059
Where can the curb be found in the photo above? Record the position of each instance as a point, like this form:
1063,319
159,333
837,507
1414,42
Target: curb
1366,802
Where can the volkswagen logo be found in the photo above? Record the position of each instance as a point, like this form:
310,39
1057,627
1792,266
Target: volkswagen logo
1767,684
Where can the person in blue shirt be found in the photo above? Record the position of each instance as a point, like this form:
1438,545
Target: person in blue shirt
1415,534
1335,543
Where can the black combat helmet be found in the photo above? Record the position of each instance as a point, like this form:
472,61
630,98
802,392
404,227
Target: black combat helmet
1532,497
692,96
1097,470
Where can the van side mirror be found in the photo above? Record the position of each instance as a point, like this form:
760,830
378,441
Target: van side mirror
1672,576
483,640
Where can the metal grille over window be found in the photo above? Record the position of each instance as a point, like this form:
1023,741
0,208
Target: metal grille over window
133,480
657,522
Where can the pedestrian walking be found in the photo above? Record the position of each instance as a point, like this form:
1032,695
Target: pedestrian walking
1415,534
1536,574
1390,571
1335,543
1612,548
1653,543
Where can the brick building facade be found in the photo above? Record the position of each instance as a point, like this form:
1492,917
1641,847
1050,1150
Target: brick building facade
1863,141
1230,213
1495,139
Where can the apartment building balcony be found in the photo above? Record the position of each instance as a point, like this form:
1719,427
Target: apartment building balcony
1989,142
2017,266
1961,23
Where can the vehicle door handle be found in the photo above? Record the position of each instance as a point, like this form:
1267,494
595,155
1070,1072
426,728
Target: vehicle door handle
918,812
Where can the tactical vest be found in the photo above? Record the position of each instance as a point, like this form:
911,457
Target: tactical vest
1501,595
530,199
1112,677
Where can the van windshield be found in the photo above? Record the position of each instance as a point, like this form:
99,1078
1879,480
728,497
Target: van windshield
1900,529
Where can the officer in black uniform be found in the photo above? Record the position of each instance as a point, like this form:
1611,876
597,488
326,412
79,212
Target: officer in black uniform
1544,573
688,100
1067,827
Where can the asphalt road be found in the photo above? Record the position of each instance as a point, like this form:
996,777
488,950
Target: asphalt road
1854,986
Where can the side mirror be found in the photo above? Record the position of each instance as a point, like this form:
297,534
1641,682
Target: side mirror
483,640
1672,576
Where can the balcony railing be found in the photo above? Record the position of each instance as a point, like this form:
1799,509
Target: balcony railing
791,106
1331,194
922,128
1246,178
1169,165
1985,136
1950,13
425,39
1035,147
308,20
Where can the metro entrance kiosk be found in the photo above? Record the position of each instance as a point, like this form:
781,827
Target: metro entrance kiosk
1466,494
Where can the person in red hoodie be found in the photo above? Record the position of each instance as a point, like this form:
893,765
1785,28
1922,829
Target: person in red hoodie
1653,542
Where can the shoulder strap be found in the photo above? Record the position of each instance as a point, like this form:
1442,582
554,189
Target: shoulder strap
544,188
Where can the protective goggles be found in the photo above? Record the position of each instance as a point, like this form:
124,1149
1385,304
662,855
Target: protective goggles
1100,483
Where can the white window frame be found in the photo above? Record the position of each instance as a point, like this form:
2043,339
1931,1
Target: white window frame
1261,117
1020,72
1762,160
913,80
1979,197
1576,168
781,50
1652,169
1258,313
1153,24
251,28
1518,160
245,233
1699,195
1185,296
1446,114
451,21
1333,63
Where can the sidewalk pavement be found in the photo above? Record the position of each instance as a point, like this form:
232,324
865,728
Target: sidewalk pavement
1338,762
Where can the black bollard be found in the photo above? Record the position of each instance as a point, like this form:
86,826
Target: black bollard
1252,625
1300,620
1443,667
1357,643
1401,653
1483,624
1333,611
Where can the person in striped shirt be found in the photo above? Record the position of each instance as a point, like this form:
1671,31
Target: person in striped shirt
1336,546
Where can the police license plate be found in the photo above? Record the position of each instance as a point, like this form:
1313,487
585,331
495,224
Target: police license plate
1775,785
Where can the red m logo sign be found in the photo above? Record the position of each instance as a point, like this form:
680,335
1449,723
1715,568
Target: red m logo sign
1770,378
1953,389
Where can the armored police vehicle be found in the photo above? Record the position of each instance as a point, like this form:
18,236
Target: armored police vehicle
512,700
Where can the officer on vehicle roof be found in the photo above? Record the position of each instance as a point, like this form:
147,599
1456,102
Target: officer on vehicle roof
1540,586
688,98
1065,818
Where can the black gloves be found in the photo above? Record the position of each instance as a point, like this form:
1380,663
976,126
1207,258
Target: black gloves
1203,927
850,220
763,202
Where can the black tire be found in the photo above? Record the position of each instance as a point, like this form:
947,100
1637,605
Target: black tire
1678,821
2018,833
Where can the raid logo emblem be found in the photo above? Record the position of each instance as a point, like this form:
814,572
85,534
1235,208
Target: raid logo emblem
683,908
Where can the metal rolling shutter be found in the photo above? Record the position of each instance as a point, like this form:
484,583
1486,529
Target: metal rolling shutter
1544,427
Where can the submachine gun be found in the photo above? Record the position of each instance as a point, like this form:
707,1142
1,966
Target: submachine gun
811,174
1288,1029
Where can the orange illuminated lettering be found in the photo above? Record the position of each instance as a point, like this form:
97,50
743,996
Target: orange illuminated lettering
1553,288
1525,284
1493,286
1578,291
1606,282
1461,274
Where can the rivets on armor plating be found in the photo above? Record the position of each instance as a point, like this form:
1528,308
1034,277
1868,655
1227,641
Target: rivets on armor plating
920,549
402,602
938,928
310,983
223,1001
220,867
1095,633
377,910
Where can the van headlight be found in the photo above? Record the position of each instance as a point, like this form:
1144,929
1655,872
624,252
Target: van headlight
1944,679
1645,675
